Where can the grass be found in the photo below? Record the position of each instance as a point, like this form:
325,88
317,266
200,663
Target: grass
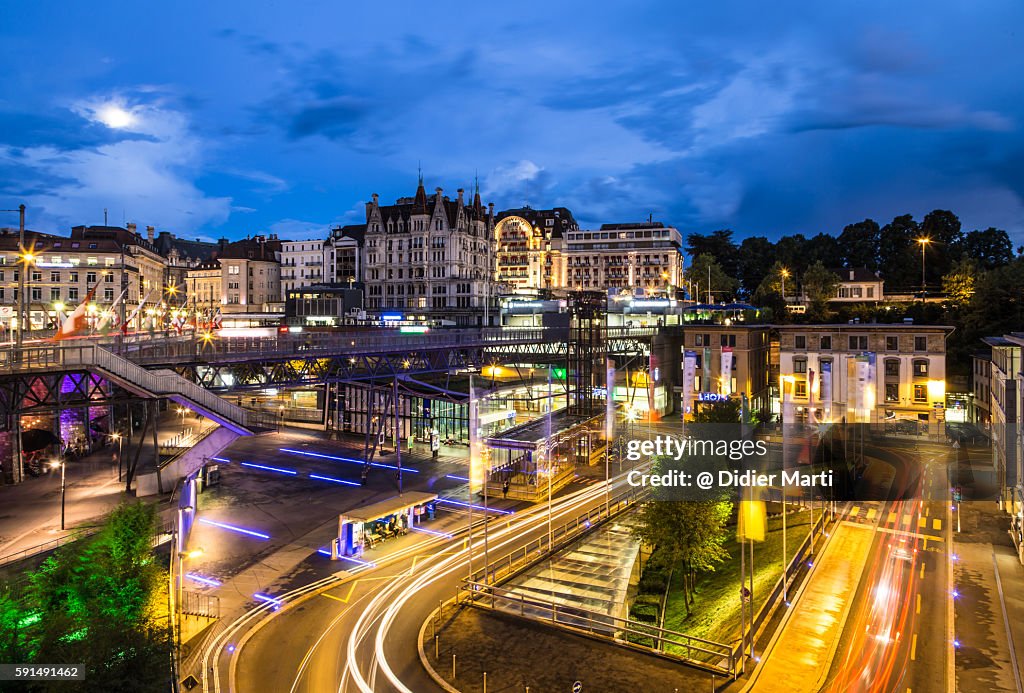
716,611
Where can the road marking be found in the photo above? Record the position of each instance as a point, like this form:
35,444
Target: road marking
913,648
871,514
927,510
907,533
922,522
892,517
922,570
937,524
924,546
907,520
855,510
918,604
337,599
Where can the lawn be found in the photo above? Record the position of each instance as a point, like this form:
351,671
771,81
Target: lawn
716,612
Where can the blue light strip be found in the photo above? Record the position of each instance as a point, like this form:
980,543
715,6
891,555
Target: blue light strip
333,480
222,525
356,560
475,507
267,598
325,552
457,477
432,531
292,472
203,580
221,459
350,460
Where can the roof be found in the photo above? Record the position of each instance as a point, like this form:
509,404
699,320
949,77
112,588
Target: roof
999,342
356,232
632,225
856,274
391,506
563,219
860,326
251,249
202,251
534,433
406,207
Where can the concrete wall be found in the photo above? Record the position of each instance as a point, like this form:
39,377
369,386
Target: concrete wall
186,463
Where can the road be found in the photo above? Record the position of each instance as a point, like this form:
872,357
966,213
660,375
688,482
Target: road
897,637
359,631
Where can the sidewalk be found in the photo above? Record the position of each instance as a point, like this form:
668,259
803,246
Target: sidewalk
31,517
989,579
798,658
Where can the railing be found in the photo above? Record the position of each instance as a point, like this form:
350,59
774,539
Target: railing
713,655
46,546
160,382
199,604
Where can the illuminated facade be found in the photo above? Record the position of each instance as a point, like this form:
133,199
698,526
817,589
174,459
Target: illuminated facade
529,250
867,373
726,361
628,257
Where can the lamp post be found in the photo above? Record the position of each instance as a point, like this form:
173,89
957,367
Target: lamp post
785,274
53,465
924,244
21,277
120,441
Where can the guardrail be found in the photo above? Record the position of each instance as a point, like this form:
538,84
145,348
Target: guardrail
713,655
46,546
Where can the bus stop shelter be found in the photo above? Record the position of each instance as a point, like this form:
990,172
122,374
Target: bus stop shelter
362,528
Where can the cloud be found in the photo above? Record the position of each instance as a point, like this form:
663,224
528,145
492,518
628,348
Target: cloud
147,173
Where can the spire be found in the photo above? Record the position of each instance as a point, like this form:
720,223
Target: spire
421,193
476,191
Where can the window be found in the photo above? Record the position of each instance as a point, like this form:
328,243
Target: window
920,393
37,276
72,277
72,293
799,365
37,293
800,389
892,367
55,277
801,341
892,392
920,368
826,342
727,340
90,277
108,277
54,293
858,343
892,343
920,344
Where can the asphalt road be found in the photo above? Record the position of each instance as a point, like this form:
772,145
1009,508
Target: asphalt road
897,636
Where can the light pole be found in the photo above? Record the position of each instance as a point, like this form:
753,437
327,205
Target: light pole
924,244
120,441
21,277
784,273
53,465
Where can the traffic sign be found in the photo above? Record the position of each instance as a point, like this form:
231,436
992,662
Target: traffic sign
577,687
190,682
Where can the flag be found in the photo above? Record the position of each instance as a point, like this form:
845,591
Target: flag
135,312
75,322
107,315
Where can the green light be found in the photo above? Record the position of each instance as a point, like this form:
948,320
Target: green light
413,329
558,374
29,620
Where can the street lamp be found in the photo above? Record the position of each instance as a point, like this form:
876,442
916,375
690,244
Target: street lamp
924,243
120,441
53,465
785,274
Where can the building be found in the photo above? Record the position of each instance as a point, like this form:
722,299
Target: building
324,305
343,254
302,264
727,361
865,373
530,248
647,256
981,386
858,285
431,259
122,269
181,255
245,277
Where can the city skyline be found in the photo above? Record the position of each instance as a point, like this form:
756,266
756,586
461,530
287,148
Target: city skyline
703,118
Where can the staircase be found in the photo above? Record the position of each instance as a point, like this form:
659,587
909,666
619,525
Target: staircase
134,378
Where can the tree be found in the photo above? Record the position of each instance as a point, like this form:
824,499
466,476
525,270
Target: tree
723,286
942,228
819,286
958,283
896,254
859,245
769,292
990,248
825,249
791,251
691,533
755,260
718,244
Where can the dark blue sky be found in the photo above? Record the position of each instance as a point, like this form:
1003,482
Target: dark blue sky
231,118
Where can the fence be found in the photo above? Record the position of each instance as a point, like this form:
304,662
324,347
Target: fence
46,546
709,654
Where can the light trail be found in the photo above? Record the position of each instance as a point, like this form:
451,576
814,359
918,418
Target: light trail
475,507
333,480
204,580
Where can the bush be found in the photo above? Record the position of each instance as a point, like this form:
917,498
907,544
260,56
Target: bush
647,613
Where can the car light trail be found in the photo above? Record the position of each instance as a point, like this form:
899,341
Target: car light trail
233,528
432,531
333,480
474,507
350,460
281,470
358,560
203,580
267,598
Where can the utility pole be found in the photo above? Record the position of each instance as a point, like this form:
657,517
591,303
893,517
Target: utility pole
21,278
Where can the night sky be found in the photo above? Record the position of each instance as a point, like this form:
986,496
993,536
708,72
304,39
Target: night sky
233,118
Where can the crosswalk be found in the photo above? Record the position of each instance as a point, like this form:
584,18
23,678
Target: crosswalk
919,524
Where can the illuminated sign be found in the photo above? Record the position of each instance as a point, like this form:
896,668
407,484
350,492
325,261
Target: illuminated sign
391,316
712,397
414,329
